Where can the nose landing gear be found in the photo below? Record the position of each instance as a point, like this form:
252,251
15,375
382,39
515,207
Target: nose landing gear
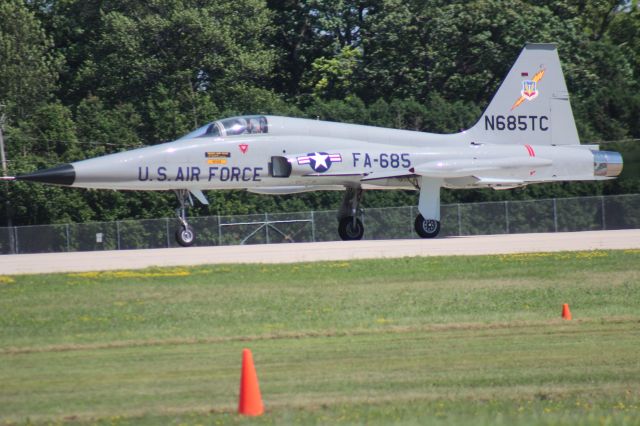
185,235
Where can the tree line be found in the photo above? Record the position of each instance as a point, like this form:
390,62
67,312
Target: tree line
81,78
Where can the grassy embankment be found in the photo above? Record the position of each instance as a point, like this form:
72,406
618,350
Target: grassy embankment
441,340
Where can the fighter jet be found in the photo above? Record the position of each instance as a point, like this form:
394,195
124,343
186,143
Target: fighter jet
526,135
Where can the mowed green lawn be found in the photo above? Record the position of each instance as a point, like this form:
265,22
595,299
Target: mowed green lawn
449,340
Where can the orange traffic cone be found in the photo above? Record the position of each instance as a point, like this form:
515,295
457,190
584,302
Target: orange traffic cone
250,399
566,313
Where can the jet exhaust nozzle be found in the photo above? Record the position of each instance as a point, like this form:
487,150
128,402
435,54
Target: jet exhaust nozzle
607,163
61,175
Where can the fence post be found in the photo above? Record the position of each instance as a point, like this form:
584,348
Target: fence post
313,226
219,231
604,223
410,222
15,240
11,231
459,221
266,227
166,219
506,215
555,216
67,232
118,233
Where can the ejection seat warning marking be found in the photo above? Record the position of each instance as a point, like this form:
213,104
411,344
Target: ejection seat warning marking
217,161
217,154
196,174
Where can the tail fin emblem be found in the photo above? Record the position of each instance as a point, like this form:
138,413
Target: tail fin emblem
529,89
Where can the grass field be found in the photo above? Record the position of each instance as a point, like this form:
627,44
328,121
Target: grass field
457,340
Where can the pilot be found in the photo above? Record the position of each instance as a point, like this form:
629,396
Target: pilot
251,127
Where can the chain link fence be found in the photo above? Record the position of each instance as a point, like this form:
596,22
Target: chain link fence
509,217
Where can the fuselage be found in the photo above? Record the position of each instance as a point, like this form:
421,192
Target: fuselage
327,154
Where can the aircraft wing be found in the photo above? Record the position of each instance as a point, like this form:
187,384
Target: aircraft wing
456,168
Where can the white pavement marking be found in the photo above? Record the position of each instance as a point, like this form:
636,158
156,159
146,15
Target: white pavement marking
309,252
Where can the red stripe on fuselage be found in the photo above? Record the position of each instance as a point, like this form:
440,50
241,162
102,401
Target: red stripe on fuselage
532,153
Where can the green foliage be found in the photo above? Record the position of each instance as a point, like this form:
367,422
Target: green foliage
85,78
28,65
334,77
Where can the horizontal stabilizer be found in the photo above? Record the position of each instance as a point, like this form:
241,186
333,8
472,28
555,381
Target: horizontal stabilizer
456,168
499,181
388,175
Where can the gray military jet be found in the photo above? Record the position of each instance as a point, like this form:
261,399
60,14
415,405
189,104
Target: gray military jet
526,135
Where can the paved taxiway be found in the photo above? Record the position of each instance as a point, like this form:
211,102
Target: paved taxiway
305,252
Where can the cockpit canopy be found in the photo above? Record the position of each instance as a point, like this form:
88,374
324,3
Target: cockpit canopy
247,124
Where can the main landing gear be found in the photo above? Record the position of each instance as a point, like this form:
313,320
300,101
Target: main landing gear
185,236
350,226
427,223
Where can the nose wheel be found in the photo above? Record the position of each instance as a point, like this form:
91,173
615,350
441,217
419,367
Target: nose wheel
185,235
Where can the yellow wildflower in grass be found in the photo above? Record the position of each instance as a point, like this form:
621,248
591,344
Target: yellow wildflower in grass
135,274
526,257
4,279
92,274
523,256
591,254
176,272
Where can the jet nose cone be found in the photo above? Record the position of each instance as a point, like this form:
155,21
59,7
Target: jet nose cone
61,175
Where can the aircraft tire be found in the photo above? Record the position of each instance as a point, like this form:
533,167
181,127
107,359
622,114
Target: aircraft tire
427,228
348,231
185,236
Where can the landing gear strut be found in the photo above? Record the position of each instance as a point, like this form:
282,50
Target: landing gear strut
427,224
350,226
185,236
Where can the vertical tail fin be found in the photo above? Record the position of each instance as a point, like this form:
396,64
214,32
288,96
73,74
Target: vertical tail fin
532,104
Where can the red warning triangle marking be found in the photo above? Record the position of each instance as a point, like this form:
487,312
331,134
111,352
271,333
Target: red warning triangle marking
243,148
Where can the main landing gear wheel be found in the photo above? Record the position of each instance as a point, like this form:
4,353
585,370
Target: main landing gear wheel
427,228
350,228
185,236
